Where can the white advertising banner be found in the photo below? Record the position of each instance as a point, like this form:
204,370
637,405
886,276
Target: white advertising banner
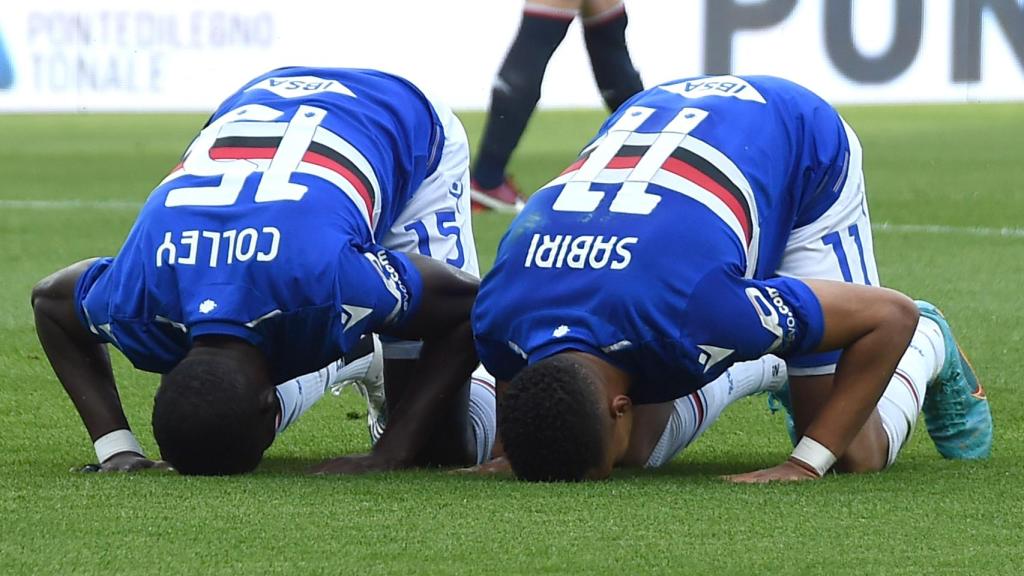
123,55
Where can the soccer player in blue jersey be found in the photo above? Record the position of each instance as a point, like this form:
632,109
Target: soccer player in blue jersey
711,220
316,206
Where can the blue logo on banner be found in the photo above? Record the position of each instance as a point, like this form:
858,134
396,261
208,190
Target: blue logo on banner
6,67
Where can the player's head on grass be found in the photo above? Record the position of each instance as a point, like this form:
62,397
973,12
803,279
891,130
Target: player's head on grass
215,412
566,418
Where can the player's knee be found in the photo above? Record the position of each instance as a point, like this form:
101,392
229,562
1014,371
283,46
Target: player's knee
208,420
42,294
58,288
551,424
47,292
903,314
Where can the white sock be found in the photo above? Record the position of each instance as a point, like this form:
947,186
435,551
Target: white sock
298,395
903,397
694,414
354,370
765,374
483,413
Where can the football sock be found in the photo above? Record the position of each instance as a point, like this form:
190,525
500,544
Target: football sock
739,381
483,416
605,35
903,397
765,374
298,395
516,89
354,370
694,414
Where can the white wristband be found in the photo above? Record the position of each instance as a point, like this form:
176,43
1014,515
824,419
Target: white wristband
812,453
114,443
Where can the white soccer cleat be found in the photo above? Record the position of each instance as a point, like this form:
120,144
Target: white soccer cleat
371,387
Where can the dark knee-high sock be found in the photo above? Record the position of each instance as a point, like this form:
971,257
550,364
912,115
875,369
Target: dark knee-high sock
517,88
616,77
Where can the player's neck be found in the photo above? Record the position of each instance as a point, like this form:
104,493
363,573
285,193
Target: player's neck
243,354
613,380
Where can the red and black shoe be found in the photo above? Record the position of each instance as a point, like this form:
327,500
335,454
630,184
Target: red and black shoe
504,198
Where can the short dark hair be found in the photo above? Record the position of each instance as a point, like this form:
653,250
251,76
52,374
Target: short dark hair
208,418
551,423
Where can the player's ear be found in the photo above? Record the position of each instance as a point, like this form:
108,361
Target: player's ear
621,405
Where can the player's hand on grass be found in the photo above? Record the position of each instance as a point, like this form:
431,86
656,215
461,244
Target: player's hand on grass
126,462
788,471
499,465
361,464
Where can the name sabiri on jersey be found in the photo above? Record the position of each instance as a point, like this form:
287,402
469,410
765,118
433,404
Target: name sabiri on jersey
579,252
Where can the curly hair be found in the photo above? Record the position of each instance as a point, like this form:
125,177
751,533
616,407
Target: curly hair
551,421
207,419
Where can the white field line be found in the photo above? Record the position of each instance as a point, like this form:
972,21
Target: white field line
69,204
930,229
938,230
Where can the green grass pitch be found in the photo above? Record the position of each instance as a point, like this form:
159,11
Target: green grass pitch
945,180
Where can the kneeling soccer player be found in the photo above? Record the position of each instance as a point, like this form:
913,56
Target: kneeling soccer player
711,220
317,205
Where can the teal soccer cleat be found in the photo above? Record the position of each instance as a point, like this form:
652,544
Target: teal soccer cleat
778,398
956,409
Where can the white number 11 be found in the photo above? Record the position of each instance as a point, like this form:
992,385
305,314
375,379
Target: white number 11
632,197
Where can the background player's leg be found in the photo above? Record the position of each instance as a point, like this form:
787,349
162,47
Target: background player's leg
516,88
604,30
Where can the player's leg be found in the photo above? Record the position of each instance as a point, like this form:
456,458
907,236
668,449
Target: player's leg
692,415
604,30
483,413
932,373
514,95
436,222
296,396
837,245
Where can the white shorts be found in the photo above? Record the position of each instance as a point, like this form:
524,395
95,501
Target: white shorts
836,246
437,220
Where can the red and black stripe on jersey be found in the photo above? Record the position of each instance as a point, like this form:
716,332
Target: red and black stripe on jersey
700,171
265,147
692,167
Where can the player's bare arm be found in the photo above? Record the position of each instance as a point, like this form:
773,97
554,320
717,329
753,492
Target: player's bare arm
444,366
873,327
81,363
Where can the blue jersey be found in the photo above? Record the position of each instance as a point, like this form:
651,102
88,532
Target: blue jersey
266,230
656,249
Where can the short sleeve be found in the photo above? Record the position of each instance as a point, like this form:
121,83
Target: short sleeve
378,289
91,304
499,358
743,319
